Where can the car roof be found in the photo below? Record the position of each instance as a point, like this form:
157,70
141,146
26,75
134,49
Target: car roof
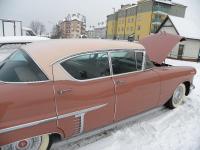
46,53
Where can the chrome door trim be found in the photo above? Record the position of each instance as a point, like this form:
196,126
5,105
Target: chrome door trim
118,124
31,124
20,83
83,111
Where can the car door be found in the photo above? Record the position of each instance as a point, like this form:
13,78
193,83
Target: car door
85,97
136,89
25,92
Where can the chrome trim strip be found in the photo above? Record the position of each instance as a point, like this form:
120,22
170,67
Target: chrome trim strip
82,121
31,124
31,82
110,63
83,111
119,124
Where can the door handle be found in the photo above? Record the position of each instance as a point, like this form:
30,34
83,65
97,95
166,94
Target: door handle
120,82
60,92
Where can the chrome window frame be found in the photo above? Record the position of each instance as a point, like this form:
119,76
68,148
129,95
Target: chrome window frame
73,56
30,82
110,63
135,50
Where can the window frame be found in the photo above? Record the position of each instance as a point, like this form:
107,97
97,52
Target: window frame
30,82
59,62
131,72
80,54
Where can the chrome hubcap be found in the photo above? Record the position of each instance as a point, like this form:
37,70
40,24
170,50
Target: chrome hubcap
28,144
178,95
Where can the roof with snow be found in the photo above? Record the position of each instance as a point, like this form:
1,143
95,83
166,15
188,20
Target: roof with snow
184,27
169,2
21,39
165,2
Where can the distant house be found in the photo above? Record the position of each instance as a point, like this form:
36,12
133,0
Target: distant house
97,32
186,50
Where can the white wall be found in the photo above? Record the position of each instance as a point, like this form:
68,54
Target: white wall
191,49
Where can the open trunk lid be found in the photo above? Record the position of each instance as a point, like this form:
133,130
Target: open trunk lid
159,45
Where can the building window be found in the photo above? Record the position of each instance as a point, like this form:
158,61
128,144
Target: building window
127,29
118,29
180,51
131,28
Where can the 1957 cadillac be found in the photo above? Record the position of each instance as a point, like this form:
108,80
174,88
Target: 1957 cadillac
67,88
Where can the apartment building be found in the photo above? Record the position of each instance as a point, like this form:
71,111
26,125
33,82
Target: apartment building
98,31
141,19
73,26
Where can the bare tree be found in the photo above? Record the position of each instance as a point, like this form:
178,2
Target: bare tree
56,32
37,27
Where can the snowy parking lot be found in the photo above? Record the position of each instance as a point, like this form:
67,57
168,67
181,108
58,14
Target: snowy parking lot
165,129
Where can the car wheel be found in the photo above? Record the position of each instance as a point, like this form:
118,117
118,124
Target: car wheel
177,97
35,143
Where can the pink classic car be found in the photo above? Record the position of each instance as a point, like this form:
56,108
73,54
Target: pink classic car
66,88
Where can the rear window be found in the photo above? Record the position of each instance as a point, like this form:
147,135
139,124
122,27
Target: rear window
19,67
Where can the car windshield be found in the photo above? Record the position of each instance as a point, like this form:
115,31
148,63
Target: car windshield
19,67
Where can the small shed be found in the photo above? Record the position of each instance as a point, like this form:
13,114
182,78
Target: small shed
188,49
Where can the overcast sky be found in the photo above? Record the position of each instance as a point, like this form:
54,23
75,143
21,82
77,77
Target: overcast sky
49,12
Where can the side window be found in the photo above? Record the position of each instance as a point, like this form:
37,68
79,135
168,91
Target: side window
19,67
88,66
123,61
148,63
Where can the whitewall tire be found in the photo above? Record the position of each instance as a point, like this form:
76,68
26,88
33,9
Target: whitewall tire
35,143
178,97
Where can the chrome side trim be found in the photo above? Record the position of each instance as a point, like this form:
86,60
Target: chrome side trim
76,113
31,124
82,121
83,111
119,124
20,83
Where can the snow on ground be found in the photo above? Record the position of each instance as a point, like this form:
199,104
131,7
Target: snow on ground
177,129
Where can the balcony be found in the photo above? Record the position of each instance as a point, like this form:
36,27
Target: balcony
156,21
160,10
